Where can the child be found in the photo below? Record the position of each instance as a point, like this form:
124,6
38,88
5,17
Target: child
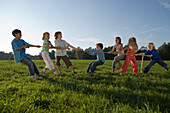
18,46
118,46
62,54
100,57
45,53
132,48
155,58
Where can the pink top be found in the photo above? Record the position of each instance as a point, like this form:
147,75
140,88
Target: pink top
118,48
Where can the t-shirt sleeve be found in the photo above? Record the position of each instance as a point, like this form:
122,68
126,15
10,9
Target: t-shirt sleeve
66,44
147,52
15,46
92,52
25,43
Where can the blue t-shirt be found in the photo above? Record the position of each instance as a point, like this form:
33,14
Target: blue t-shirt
154,53
99,53
19,55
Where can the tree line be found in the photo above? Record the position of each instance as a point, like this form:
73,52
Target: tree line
163,51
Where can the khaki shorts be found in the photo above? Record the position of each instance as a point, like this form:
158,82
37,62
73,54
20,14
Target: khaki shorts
65,59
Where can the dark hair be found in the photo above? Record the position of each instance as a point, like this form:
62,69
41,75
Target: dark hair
118,38
15,32
45,34
57,33
100,45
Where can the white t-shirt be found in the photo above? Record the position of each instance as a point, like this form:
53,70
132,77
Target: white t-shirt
60,43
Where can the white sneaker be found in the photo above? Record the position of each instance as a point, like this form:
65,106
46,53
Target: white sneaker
43,73
32,77
55,73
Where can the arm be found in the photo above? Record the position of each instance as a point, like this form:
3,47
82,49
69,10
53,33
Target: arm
123,50
25,46
90,51
143,54
74,48
38,46
111,51
134,51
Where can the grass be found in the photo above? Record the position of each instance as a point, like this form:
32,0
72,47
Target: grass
103,92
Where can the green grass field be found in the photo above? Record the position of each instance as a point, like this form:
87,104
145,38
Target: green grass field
103,92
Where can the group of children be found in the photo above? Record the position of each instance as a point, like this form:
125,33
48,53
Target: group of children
61,46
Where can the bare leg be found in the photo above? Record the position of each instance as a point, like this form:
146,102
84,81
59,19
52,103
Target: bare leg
59,69
120,65
113,69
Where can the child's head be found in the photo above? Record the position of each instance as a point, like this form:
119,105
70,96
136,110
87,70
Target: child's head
132,41
151,46
118,40
46,36
58,35
99,46
16,33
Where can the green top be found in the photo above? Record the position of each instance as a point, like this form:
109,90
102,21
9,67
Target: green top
44,48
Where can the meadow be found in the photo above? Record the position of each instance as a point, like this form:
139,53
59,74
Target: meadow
102,92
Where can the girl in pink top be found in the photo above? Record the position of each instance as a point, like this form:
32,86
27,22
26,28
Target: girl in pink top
132,48
118,46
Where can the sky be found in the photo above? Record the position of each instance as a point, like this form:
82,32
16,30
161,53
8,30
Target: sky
84,23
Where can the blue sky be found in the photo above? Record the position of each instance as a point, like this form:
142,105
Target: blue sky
85,22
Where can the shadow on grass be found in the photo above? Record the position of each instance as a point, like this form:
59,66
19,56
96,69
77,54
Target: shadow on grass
133,99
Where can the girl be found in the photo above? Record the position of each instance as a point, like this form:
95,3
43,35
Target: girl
155,58
132,48
118,46
45,53
62,54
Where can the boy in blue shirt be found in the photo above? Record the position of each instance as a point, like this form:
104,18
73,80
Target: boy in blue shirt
18,46
155,58
100,57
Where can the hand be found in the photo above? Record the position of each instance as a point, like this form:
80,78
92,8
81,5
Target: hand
109,52
38,46
68,48
114,53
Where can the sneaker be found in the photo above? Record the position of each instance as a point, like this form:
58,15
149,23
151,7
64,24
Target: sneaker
74,72
55,73
42,72
32,77
166,68
38,75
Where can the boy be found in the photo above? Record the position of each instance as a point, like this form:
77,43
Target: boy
154,58
100,57
62,53
18,46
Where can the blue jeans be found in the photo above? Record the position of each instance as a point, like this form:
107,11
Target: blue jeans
31,66
92,66
152,62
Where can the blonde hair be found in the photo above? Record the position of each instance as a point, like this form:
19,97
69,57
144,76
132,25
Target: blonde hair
132,42
45,34
152,44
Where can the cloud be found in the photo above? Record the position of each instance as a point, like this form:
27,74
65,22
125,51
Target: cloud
153,29
165,3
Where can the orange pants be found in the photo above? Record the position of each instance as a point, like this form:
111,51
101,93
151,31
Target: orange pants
126,64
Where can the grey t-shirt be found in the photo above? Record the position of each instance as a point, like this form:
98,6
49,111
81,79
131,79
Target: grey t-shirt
61,43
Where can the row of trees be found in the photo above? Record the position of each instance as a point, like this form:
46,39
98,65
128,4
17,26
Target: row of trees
163,51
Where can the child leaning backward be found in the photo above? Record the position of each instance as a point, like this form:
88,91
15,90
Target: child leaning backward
19,46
